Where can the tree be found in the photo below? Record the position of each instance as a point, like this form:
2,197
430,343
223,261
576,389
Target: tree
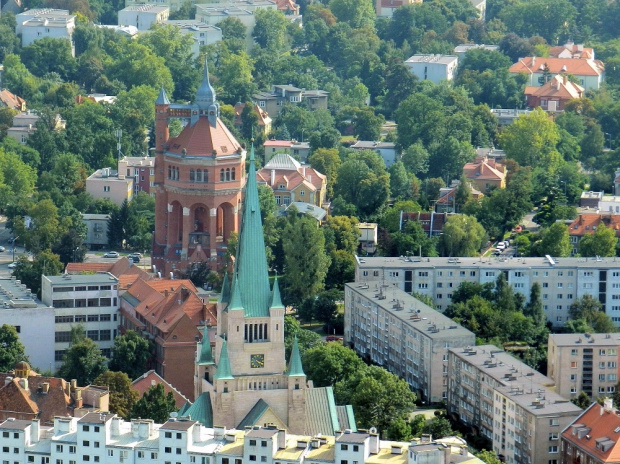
587,311
601,243
462,236
30,272
71,248
48,55
130,354
330,363
415,158
534,307
356,13
235,82
341,269
83,361
462,194
367,124
43,229
12,350
270,30
439,427
155,404
583,400
341,233
306,339
326,161
306,263
400,184
122,396
488,457
555,241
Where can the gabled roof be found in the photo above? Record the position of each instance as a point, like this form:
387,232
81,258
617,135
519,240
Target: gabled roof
484,169
321,412
254,415
201,410
586,224
531,65
150,379
11,100
572,50
559,86
283,161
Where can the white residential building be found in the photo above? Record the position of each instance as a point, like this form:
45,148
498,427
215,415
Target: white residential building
87,299
203,34
462,49
33,320
387,150
562,280
143,16
45,22
435,68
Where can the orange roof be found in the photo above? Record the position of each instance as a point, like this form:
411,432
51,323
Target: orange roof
484,168
587,223
11,100
559,86
533,65
78,268
597,433
202,139
126,272
287,5
571,50
150,379
313,179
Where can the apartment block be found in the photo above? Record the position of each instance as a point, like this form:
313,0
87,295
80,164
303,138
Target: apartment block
87,299
201,33
105,438
397,331
141,169
508,402
583,362
109,184
38,23
562,279
143,16
435,68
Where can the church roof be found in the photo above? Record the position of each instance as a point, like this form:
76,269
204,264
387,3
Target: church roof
321,412
205,95
276,300
223,371
295,369
206,355
251,264
201,410
235,300
254,415
225,294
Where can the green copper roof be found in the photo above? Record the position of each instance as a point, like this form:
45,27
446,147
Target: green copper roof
225,295
206,355
254,415
235,300
184,408
201,410
276,301
223,371
251,263
295,369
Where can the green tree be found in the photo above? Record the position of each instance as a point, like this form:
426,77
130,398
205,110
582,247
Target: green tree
488,457
122,396
601,243
591,312
341,269
155,404
462,194
270,30
12,350
326,161
130,354
330,363
555,241
462,236
306,263
415,158
583,400
400,184
341,233
30,272
48,55
356,13
439,427
534,307
367,124
235,78
71,248
83,361
306,339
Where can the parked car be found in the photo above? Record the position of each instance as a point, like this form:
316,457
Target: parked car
134,257
500,246
333,338
13,265
2,248
111,254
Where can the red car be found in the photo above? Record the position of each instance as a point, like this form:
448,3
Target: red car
333,338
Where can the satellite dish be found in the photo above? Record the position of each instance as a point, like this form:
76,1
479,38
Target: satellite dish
372,429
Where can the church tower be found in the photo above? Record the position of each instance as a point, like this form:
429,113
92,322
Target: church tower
198,180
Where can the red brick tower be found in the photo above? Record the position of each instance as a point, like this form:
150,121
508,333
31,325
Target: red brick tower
198,180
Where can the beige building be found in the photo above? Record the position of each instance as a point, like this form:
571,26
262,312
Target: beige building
562,280
508,402
201,33
583,362
105,183
142,169
397,331
274,100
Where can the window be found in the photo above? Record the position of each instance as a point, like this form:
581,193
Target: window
252,457
168,434
344,447
252,442
85,443
573,352
178,450
106,188
553,436
554,422
167,450
263,459
86,428
356,448
59,448
573,364
110,452
553,449
72,449
263,443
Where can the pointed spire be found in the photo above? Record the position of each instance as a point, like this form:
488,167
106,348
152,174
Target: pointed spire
225,294
295,369
205,95
162,98
206,355
235,299
276,300
223,371
251,264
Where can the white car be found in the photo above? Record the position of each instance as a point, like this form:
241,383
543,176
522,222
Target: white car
500,246
13,265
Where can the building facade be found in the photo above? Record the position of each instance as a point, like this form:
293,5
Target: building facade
201,33
562,279
435,68
143,16
87,299
509,403
96,230
38,23
387,150
388,327
110,185
589,73
298,150
583,362
554,94
280,95
198,181
141,169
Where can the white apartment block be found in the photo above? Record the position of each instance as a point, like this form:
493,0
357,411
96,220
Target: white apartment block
45,22
173,5
33,320
583,362
203,34
562,279
105,438
509,403
434,68
87,299
143,16
391,328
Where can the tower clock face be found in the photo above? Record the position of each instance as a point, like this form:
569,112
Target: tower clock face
257,360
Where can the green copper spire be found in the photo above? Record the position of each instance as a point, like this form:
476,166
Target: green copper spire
235,299
295,368
206,355
251,264
223,371
276,301
225,295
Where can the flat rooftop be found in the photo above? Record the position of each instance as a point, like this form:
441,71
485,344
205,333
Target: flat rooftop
70,279
586,340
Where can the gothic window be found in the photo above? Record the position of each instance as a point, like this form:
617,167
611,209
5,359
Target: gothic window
199,175
222,175
227,174
192,175
232,174
169,172
205,175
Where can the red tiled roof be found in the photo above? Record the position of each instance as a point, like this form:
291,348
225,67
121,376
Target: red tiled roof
437,220
313,179
151,378
484,169
595,426
587,223
11,100
559,86
201,139
574,50
532,65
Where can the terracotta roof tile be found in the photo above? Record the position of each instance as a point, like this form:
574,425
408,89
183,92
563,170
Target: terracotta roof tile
484,169
151,378
594,427
559,86
201,139
559,65
586,224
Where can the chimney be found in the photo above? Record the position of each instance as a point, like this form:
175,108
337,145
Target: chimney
144,429
7,380
196,432
115,426
533,61
218,432
374,443
272,179
608,405
73,384
24,384
79,402
35,431
303,171
281,439
45,388
166,293
67,386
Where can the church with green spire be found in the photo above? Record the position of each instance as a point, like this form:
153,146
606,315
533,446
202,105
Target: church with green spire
245,379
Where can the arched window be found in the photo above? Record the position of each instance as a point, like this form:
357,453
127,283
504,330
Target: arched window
176,173
192,175
222,175
198,175
227,173
205,175
169,172
232,174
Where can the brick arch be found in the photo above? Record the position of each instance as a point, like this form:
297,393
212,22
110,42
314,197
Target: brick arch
175,223
225,220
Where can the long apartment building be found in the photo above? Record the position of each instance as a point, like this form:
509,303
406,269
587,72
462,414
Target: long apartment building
87,299
562,279
509,403
105,438
583,362
397,331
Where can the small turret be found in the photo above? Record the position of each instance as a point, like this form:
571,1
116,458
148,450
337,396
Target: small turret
295,369
206,355
205,98
223,371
